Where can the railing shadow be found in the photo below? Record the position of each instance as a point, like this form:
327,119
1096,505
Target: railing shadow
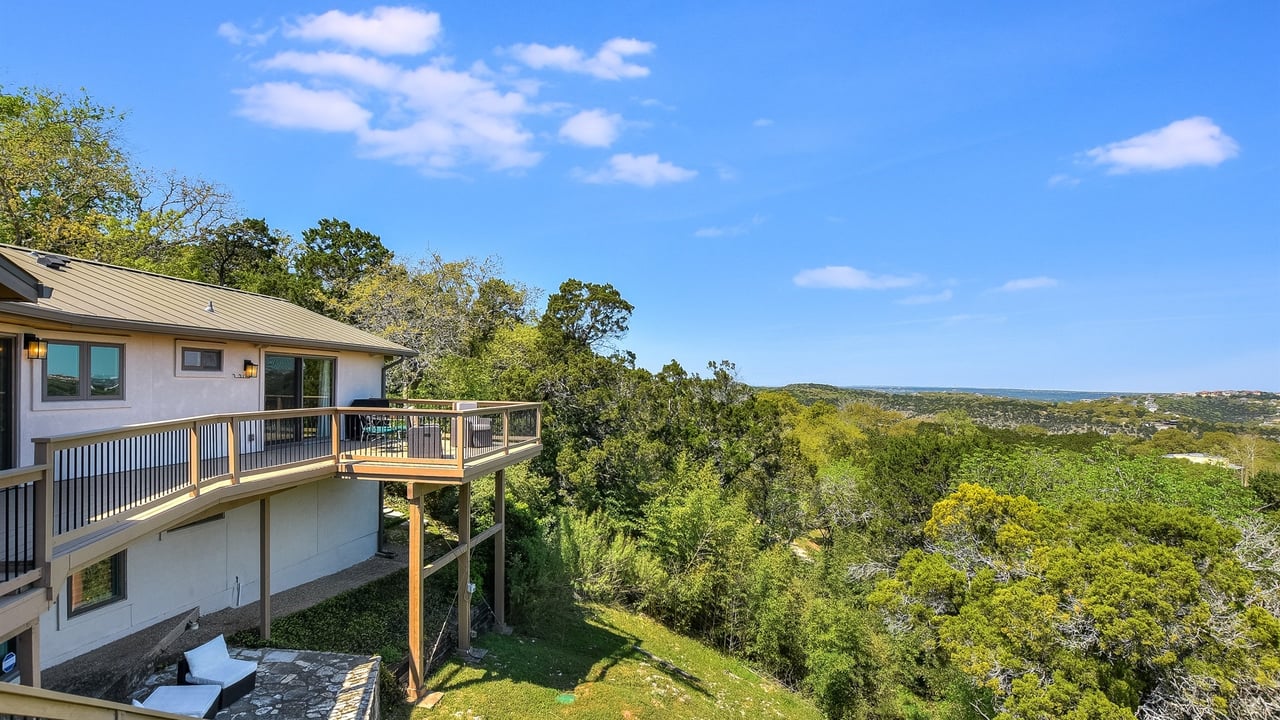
582,648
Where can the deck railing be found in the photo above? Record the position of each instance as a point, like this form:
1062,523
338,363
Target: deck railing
24,546
26,703
82,480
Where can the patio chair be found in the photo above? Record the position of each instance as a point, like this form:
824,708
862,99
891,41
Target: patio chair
479,432
380,429
424,441
211,664
200,701
479,429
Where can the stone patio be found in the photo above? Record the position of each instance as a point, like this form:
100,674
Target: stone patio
299,684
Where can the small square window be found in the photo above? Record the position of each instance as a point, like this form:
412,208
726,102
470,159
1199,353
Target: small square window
102,583
199,359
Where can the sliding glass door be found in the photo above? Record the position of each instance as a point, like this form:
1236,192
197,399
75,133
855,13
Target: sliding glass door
293,382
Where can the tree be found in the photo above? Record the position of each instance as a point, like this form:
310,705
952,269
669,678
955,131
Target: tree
62,171
585,316
447,311
245,254
334,257
1107,610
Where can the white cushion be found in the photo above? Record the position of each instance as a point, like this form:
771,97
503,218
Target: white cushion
228,672
210,664
208,654
193,700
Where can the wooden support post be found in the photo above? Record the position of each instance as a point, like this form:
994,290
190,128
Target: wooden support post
29,656
417,663
464,568
233,450
500,550
264,567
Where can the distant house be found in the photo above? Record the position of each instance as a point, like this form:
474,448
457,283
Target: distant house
86,346
1206,459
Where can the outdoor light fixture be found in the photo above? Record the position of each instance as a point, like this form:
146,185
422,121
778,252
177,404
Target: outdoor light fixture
37,349
250,369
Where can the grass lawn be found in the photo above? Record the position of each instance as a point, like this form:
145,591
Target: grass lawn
606,663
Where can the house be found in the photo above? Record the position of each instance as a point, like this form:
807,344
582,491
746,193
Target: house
177,445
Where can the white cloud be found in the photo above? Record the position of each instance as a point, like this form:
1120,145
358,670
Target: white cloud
1194,141
731,230
643,170
288,105
592,128
762,122
237,35
654,103
432,113
431,116
849,278
1063,180
943,296
342,65
727,173
384,30
1032,283
609,62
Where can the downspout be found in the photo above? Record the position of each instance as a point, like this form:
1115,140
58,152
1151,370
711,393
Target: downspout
385,368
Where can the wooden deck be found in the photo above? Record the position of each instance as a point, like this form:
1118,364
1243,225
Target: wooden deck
90,495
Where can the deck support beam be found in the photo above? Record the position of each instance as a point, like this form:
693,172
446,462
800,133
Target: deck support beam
417,661
264,567
464,568
500,549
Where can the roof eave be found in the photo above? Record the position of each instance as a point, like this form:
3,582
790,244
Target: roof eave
84,321
18,284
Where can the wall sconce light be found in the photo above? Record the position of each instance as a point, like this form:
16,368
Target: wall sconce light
250,369
37,349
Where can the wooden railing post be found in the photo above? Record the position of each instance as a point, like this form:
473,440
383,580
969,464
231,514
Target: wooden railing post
337,439
506,432
459,442
42,525
193,460
233,450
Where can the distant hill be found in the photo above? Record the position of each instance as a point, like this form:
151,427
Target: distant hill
1137,414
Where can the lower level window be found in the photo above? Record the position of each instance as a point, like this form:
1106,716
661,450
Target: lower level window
99,584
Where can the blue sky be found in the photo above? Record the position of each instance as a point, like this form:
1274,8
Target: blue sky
1072,195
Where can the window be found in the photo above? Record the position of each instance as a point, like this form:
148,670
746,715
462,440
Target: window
201,359
99,584
84,371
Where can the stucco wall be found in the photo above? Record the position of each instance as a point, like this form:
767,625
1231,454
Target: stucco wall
156,389
317,529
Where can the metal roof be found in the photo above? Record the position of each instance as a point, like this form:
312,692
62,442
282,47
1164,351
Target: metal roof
91,294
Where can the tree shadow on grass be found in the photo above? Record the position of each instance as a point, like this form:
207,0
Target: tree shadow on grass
577,648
